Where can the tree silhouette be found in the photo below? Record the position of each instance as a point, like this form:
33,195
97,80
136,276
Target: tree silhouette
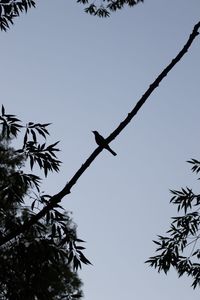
180,249
41,263
182,228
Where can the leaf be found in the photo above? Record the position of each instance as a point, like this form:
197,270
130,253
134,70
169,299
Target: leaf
157,243
70,257
80,241
33,204
80,248
47,217
42,147
76,263
51,147
83,258
31,161
2,110
41,132
25,138
34,136
46,124
53,230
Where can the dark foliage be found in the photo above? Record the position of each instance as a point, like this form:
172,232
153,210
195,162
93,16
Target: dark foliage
42,262
9,9
104,8
180,247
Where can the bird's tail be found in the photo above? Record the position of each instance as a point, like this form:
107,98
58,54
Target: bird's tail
111,151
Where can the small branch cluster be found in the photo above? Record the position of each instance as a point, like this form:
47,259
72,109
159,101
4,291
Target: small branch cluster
9,9
103,8
180,248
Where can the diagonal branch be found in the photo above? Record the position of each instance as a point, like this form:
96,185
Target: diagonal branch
67,189
155,84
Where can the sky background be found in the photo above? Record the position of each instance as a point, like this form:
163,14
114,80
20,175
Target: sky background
83,73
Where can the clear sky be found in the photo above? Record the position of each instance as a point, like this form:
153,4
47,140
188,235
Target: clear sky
82,73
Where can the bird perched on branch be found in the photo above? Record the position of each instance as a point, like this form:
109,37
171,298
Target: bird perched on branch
102,142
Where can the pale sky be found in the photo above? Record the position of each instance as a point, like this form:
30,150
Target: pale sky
83,73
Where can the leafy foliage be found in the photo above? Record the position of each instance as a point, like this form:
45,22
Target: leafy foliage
9,9
105,7
180,248
38,153
42,262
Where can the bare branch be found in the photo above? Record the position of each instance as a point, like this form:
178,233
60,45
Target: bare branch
67,189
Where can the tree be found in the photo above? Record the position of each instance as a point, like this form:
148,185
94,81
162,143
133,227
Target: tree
179,249
103,10
41,263
10,9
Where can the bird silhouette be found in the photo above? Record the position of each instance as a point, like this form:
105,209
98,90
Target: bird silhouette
102,142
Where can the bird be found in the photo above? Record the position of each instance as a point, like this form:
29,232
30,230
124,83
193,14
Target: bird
102,142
